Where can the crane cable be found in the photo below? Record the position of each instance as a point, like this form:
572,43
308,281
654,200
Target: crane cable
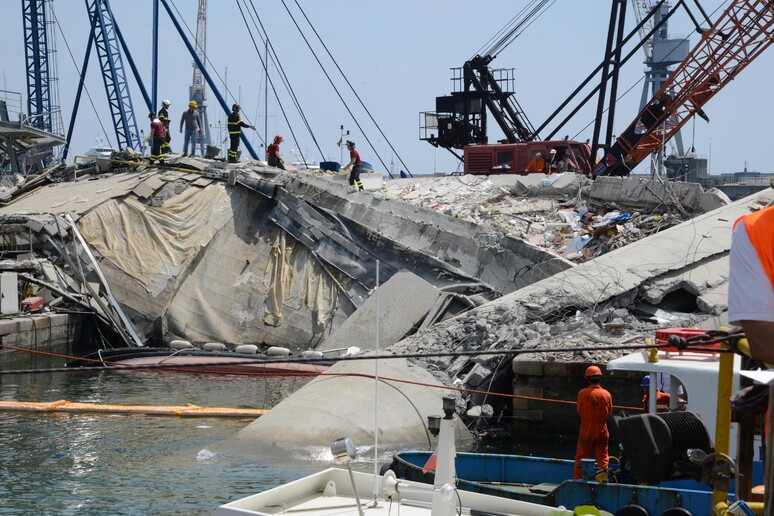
88,95
208,61
353,91
283,76
518,24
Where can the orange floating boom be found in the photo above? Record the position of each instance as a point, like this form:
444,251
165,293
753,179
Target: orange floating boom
155,410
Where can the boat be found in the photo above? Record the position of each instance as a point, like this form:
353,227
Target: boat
345,492
182,356
666,451
98,151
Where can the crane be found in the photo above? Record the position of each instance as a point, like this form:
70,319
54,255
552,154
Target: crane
737,37
198,91
40,52
661,52
105,36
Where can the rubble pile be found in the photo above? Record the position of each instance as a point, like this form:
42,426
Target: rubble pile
569,225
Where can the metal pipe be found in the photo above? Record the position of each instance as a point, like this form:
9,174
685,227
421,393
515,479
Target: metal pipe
155,57
723,423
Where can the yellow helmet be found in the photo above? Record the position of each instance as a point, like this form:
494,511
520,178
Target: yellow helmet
193,104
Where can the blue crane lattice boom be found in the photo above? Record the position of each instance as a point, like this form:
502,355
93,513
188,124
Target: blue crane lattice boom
41,69
113,74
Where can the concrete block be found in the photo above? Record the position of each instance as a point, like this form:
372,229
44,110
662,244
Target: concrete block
523,404
403,301
527,367
555,369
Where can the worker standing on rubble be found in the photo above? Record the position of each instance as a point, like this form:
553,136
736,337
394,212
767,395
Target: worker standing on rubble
157,136
235,125
595,405
273,155
193,125
357,166
164,117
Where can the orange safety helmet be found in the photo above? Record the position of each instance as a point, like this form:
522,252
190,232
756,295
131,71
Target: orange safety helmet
278,139
593,371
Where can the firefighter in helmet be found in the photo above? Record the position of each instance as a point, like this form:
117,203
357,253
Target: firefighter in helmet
235,125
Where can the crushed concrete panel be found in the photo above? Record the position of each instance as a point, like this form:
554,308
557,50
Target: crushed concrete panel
403,303
339,405
648,193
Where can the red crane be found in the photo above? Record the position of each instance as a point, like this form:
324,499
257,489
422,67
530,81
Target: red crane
738,36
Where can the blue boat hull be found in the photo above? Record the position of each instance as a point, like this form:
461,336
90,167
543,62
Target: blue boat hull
549,481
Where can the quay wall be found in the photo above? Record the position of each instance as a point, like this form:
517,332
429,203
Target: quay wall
545,392
46,333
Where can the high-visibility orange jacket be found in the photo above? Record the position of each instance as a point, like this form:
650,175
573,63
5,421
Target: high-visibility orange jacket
536,165
760,231
595,405
662,401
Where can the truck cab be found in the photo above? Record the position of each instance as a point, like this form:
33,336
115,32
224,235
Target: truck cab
513,158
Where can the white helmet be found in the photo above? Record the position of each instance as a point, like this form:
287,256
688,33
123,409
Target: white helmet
166,103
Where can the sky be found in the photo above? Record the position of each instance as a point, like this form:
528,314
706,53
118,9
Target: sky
398,56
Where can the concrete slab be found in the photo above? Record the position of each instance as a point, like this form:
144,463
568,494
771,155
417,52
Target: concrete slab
404,301
76,197
148,187
636,192
337,404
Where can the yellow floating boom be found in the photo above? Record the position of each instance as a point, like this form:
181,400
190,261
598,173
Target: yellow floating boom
156,410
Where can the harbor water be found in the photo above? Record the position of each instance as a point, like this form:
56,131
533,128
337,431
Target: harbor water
96,464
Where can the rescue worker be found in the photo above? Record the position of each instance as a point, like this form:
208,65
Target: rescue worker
751,298
235,125
662,398
538,164
357,166
193,125
273,155
751,281
164,117
595,405
157,136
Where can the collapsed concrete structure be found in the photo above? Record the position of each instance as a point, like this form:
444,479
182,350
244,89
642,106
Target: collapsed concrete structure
206,251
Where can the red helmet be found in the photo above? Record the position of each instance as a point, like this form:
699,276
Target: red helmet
278,139
593,371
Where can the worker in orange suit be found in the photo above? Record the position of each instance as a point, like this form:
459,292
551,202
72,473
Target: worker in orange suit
662,398
538,164
595,405
751,297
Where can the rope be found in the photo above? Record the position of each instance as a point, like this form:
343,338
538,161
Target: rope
198,369
283,77
353,91
297,360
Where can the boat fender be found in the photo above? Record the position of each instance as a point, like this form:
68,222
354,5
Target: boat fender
247,349
632,510
278,351
214,346
385,468
677,511
180,344
312,354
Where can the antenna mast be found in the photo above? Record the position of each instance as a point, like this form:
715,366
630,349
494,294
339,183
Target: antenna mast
197,90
